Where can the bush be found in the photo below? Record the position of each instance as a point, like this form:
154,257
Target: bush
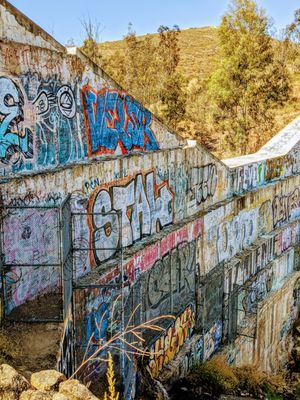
216,375
255,382
250,379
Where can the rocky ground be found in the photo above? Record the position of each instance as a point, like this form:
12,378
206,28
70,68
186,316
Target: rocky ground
30,347
44,385
211,380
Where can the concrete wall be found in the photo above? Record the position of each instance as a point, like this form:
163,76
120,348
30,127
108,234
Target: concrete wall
268,344
53,105
213,243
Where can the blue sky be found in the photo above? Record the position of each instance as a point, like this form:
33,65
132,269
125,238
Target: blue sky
62,18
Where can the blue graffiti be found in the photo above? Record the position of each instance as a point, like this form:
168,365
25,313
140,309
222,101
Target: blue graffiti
97,324
114,118
13,138
58,136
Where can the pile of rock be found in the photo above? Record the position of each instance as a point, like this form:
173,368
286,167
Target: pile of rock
44,385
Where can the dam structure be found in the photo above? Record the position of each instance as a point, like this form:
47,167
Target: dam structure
108,218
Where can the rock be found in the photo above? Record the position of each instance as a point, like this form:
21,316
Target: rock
244,394
11,383
74,390
47,380
35,395
8,396
59,396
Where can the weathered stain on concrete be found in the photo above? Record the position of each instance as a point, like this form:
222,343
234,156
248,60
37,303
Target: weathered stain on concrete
215,243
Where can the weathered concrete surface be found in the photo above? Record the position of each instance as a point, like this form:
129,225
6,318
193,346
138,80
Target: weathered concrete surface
216,244
268,344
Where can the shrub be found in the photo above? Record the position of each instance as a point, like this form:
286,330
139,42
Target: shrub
216,375
250,379
254,381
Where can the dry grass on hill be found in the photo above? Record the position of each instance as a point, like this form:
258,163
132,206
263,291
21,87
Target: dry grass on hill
198,55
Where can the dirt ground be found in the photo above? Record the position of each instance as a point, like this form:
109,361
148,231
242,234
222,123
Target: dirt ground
32,346
47,307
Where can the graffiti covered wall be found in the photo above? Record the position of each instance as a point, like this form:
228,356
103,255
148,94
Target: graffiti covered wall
265,342
54,110
162,275
158,224
167,346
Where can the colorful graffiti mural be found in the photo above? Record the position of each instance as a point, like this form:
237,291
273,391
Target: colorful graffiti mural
168,345
16,140
45,122
171,281
256,174
202,183
58,139
23,284
66,361
212,292
237,234
30,236
159,279
144,208
286,207
242,269
113,118
212,339
31,239
192,356
37,124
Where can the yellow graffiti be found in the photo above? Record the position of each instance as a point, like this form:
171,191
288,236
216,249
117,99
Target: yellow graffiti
167,346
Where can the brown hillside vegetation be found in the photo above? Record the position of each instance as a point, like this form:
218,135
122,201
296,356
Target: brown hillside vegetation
199,56
198,50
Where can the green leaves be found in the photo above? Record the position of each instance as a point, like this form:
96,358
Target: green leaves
249,81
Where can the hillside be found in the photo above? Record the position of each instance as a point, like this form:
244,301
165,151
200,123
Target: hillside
198,57
198,50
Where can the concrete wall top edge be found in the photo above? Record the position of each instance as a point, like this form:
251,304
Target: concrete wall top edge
279,146
15,26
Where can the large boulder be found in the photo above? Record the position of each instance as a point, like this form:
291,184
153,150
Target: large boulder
74,390
34,395
11,383
47,380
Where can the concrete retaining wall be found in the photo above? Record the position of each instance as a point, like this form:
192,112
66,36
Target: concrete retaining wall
215,243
